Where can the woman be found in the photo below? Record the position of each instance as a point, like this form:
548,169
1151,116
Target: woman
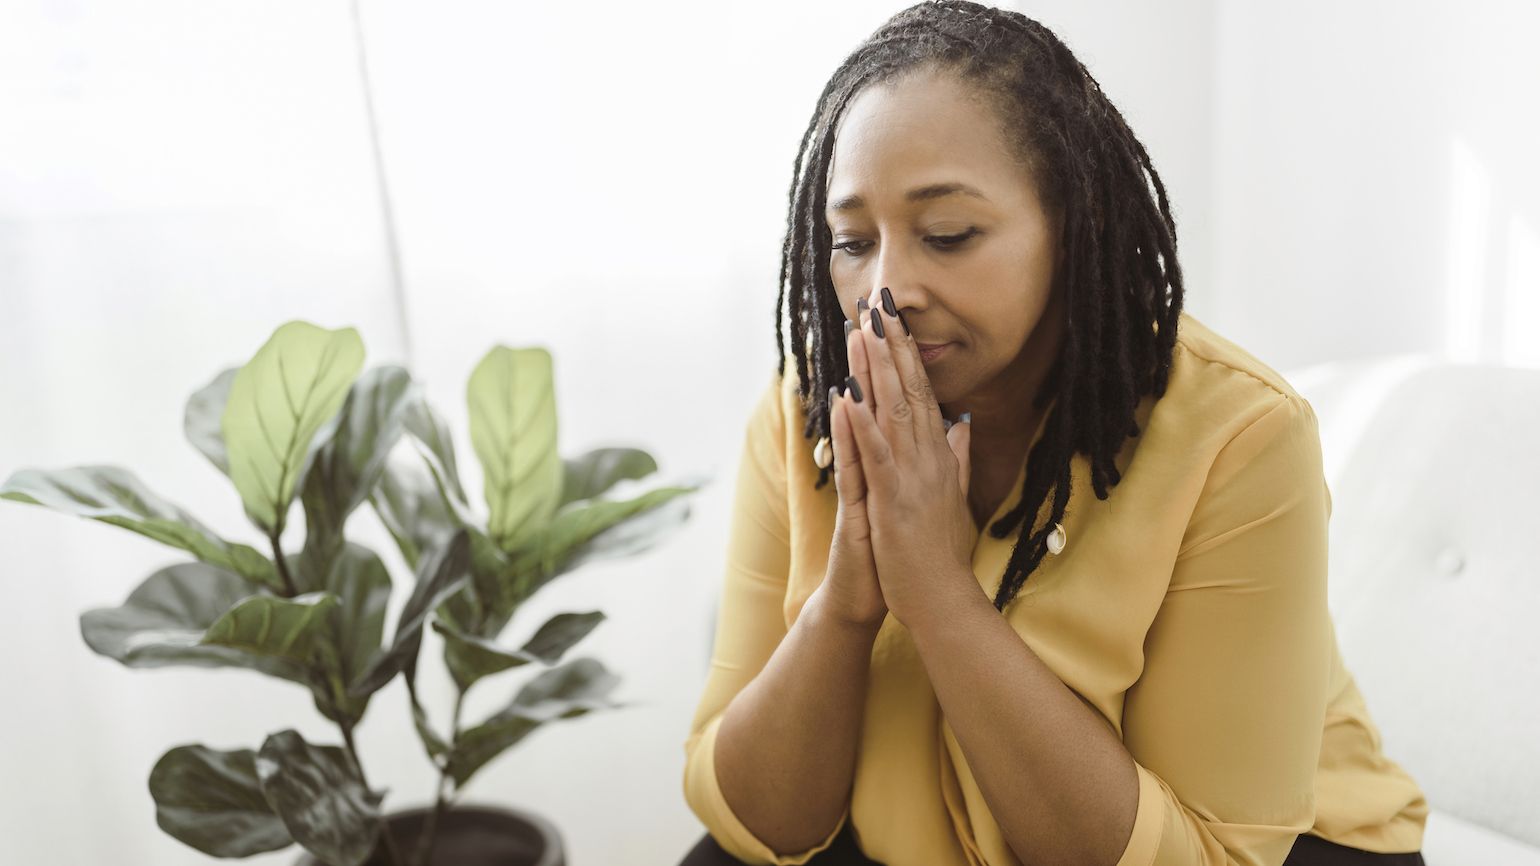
972,237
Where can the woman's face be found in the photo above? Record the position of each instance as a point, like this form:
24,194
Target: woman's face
970,270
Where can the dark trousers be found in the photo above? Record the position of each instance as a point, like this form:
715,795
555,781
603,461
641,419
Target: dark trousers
1314,851
843,851
1307,851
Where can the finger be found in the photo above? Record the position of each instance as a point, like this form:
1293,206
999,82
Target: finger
848,479
872,449
960,438
857,359
911,372
894,414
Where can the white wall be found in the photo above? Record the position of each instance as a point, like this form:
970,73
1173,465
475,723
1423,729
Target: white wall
1376,189
608,181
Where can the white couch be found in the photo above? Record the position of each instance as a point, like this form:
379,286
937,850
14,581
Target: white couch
1434,586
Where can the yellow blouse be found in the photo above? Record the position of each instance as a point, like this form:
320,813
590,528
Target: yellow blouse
1189,608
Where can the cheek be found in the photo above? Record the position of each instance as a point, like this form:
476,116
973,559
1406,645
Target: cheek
840,277
995,326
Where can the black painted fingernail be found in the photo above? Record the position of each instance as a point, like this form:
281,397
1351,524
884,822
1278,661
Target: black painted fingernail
892,309
861,307
833,392
853,387
849,326
877,324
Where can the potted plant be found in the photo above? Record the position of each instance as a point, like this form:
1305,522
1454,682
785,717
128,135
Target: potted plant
301,421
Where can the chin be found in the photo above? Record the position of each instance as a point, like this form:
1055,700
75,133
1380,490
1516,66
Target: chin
943,390
951,385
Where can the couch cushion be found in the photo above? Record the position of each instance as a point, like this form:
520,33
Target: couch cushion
1433,582
1451,841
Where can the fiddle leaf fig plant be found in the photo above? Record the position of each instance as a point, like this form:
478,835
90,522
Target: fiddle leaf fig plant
302,420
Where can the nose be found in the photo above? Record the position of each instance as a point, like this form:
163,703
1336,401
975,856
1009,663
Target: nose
899,269
891,272
895,309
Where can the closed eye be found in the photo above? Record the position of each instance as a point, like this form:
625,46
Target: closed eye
943,242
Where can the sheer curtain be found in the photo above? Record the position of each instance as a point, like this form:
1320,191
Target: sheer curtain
176,180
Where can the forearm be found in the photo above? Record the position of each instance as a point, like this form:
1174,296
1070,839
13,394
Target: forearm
1055,775
785,750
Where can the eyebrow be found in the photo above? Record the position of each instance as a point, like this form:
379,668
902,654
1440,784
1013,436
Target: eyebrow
922,193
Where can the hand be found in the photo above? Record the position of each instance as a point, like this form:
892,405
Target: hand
851,589
915,471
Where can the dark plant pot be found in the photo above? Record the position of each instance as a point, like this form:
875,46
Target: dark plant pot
471,836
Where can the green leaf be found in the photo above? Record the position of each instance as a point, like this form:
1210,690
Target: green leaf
116,496
200,420
484,605
439,576
428,427
597,471
213,801
600,529
163,623
431,741
574,689
422,507
283,405
559,633
407,501
580,532
346,469
512,401
494,579
317,793
458,508
469,658
355,626
285,628
476,657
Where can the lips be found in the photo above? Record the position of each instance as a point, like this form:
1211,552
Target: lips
931,351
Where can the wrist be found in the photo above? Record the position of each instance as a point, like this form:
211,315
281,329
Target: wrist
950,600
818,606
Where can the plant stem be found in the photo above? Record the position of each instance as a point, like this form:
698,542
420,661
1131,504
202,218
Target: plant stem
425,841
283,566
390,841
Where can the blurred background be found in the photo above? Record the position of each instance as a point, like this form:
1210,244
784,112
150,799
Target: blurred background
609,180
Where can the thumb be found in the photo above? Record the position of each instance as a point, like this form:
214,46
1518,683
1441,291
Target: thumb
960,437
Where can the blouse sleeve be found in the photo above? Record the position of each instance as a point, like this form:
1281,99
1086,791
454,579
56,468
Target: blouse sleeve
1225,722
750,625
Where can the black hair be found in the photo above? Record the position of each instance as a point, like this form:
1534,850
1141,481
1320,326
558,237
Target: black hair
1119,271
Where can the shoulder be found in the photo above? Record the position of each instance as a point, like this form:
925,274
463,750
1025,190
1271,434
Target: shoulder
1217,388
1199,346
1246,445
1230,417
777,419
1225,415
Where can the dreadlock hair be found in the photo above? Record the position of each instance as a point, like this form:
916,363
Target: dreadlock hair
1120,273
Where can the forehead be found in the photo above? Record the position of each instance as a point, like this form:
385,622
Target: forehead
919,129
